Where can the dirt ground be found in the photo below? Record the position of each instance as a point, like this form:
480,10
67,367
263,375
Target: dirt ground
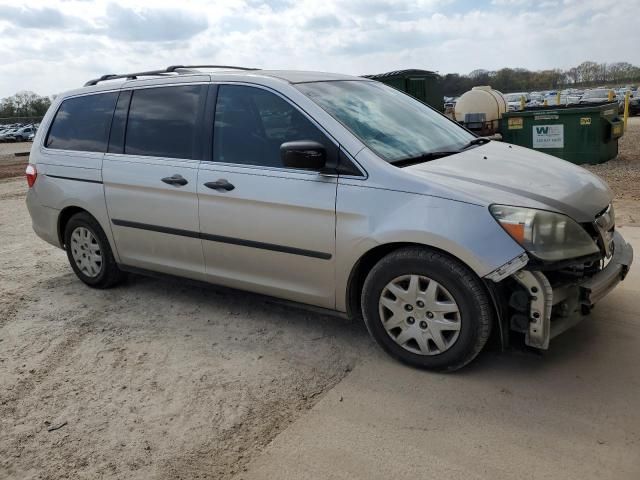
10,164
623,175
153,379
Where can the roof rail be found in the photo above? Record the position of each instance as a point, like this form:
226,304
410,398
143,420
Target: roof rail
173,68
164,72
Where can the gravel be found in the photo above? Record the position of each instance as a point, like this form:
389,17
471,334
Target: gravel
9,148
10,165
623,175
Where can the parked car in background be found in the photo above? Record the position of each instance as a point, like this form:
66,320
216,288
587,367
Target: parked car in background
514,100
634,104
22,134
599,95
552,99
535,99
17,133
7,135
450,102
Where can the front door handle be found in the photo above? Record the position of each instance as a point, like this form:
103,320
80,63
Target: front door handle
221,184
176,179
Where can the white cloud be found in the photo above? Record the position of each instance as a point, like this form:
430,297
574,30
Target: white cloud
52,45
152,24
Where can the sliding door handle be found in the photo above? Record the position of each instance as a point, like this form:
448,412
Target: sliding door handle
221,184
176,179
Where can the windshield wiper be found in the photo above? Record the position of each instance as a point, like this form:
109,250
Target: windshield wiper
476,141
424,157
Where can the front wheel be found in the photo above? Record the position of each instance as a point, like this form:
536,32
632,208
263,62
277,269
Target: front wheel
89,252
427,309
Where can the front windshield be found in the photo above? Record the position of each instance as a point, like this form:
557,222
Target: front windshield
392,124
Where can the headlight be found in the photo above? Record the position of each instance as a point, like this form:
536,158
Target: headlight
546,235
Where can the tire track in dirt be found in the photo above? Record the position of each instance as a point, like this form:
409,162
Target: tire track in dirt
234,448
72,336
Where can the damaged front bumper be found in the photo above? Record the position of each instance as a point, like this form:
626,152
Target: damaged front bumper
541,310
598,286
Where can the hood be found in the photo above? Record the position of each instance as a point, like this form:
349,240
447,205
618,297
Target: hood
507,174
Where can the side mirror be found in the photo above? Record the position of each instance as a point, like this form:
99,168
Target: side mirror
305,154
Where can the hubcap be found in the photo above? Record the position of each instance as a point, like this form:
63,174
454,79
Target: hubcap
86,252
408,298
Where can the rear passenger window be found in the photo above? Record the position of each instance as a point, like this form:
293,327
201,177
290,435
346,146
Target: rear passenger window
82,123
165,122
251,124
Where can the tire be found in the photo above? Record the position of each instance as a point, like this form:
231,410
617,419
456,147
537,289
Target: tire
447,338
97,274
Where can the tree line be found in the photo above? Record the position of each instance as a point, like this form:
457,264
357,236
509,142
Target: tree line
24,104
587,74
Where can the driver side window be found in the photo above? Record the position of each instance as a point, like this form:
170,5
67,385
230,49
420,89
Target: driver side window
252,123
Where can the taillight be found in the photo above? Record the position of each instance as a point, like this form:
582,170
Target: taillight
32,174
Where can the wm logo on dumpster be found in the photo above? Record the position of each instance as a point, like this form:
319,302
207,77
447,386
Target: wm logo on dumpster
548,136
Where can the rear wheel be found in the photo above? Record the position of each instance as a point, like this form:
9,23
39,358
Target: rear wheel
89,252
427,309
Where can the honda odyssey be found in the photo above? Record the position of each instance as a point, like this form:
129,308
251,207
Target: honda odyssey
328,190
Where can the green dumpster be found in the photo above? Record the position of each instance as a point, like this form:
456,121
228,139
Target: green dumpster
424,85
578,134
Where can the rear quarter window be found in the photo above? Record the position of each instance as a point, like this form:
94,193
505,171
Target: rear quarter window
82,123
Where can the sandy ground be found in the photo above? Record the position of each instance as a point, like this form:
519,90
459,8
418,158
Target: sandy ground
154,379
10,165
570,413
9,148
163,379
623,175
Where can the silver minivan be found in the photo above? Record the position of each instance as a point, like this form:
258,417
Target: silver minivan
327,190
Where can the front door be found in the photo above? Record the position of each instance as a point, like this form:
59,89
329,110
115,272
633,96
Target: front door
150,178
264,227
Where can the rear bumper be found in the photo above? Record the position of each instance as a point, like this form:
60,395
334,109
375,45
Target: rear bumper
43,219
554,310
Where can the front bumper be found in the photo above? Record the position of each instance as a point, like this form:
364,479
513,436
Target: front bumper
598,286
552,310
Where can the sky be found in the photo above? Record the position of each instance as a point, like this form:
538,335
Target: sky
55,45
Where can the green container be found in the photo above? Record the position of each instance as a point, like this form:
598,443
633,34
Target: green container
580,134
424,85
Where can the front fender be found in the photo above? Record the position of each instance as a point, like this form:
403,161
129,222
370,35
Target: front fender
367,218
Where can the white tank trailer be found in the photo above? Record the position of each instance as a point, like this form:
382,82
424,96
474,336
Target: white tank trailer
480,110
